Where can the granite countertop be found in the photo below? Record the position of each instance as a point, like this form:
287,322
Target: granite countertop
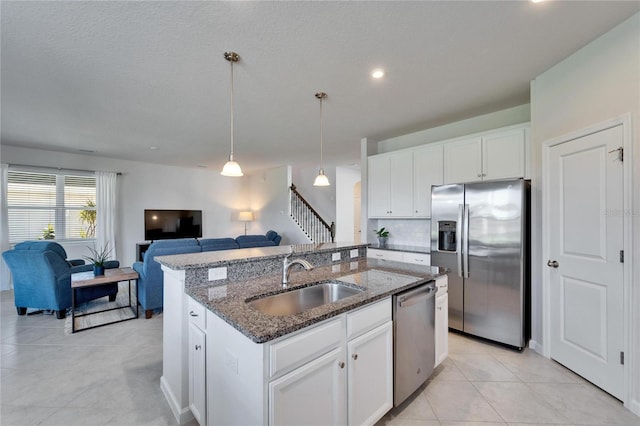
378,279
398,247
224,257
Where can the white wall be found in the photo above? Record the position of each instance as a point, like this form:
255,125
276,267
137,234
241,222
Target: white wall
150,186
346,179
481,123
321,198
269,192
599,82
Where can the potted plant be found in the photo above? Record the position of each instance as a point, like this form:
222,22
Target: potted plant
98,258
383,235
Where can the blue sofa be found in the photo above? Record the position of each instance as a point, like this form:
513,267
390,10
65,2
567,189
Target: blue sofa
151,279
42,277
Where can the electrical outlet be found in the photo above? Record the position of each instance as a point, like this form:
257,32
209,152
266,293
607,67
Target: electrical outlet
353,253
218,273
231,361
335,257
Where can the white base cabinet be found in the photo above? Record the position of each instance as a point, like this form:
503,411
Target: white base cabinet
197,362
442,320
337,372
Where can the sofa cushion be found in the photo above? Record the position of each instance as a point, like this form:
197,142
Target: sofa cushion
245,241
213,244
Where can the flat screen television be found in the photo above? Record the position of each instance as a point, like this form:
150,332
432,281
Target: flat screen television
168,224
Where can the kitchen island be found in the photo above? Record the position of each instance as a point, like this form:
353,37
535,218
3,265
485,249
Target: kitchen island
228,363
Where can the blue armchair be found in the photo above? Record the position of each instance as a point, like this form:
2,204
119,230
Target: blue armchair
42,277
151,279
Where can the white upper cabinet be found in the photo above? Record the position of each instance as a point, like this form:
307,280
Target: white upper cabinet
400,181
503,155
427,171
497,155
391,185
463,161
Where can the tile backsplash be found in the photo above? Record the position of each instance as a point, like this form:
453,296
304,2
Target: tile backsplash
410,232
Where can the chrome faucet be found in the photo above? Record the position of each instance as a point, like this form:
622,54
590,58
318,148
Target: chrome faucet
286,266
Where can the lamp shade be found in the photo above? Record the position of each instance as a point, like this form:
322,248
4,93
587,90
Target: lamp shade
245,216
231,168
321,179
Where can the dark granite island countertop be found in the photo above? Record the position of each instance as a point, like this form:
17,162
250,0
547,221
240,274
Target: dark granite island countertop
378,280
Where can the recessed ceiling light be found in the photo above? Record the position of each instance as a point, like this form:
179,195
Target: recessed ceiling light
202,166
377,73
86,150
153,148
537,1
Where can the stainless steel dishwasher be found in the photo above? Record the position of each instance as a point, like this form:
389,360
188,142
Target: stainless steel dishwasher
413,339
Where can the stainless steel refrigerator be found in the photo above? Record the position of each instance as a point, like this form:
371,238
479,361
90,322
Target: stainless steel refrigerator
481,232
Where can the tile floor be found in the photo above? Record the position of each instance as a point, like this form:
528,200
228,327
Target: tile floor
111,376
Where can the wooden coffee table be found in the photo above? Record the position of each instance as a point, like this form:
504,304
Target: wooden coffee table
87,279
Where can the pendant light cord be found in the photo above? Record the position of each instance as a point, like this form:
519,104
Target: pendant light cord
321,120
231,155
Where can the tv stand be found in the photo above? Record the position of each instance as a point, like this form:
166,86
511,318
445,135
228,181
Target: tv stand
141,248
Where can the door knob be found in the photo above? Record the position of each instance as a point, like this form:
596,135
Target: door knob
552,264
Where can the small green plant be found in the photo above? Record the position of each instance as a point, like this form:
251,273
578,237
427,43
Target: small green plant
382,232
99,256
48,233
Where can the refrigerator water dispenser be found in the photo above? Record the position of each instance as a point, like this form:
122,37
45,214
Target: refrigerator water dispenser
446,235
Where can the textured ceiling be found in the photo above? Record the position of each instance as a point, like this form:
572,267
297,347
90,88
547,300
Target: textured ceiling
119,78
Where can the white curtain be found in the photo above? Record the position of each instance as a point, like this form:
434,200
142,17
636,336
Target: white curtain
5,276
106,198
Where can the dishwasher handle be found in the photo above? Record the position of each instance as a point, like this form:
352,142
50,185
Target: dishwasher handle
416,296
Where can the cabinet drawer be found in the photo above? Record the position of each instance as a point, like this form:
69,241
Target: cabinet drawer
197,314
385,255
417,258
368,318
299,349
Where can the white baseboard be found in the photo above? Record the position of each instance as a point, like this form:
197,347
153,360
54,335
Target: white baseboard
182,415
634,407
536,347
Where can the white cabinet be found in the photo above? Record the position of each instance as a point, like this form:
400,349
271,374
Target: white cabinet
312,394
334,373
400,256
391,185
427,171
497,155
442,320
370,375
463,161
197,361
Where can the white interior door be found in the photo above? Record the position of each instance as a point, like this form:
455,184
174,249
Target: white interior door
585,239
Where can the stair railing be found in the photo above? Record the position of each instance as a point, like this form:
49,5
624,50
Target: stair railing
318,230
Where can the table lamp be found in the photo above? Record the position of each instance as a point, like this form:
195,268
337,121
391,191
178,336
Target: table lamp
245,217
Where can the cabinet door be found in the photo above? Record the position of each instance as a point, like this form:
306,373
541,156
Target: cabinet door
197,374
503,155
463,161
442,328
427,171
401,184
370,375
313,394
378,173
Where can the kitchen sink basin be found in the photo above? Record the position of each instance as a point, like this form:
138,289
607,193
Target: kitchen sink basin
302,299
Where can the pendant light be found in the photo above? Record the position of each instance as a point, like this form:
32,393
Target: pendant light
231,168
321,179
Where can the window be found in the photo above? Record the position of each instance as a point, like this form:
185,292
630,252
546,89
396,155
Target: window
45,205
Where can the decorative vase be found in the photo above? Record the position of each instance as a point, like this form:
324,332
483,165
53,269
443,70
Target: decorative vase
382,241
98,270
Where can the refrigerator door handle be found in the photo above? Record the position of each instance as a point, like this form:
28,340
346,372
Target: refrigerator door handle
459,237
465,241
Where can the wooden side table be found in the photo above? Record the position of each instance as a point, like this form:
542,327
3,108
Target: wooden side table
87,279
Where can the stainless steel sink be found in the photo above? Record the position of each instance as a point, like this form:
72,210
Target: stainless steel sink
302,299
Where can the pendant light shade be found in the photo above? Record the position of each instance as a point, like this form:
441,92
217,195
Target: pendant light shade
231,168
321,179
